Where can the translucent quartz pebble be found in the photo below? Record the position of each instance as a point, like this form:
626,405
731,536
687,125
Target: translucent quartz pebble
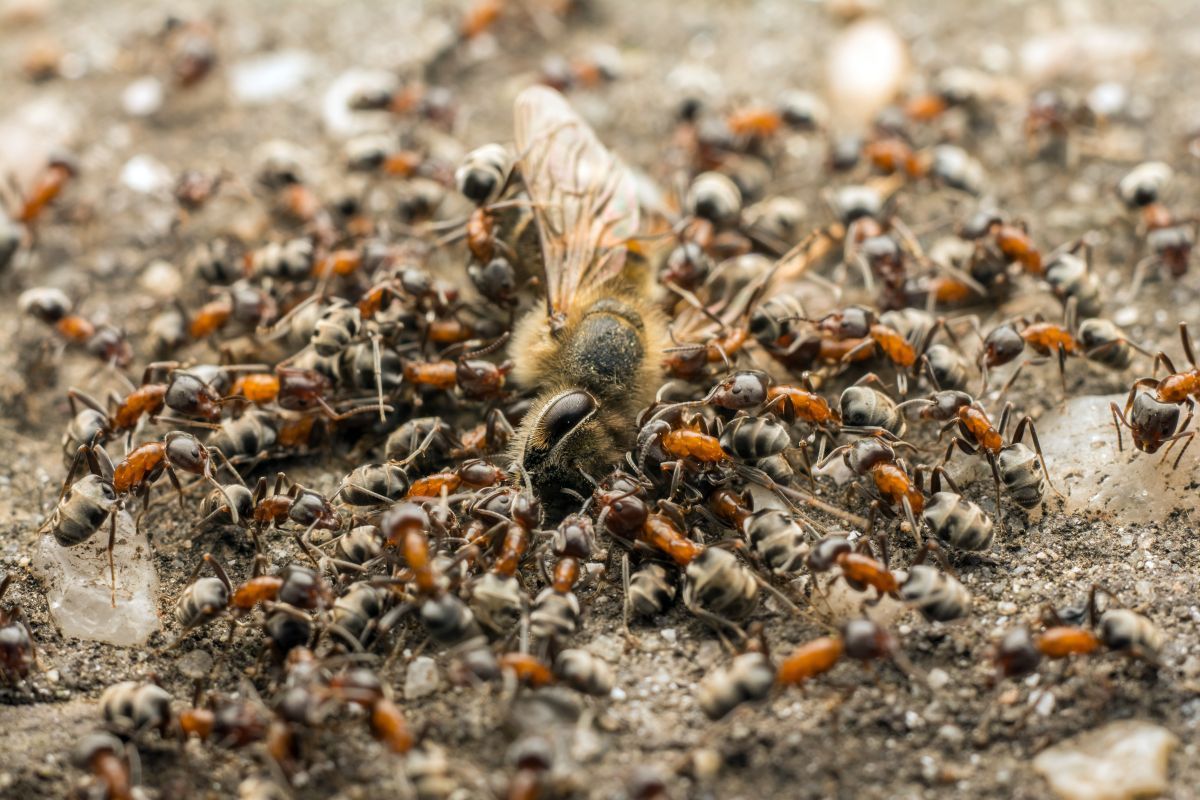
79,591
1122,760
1080,444
865,66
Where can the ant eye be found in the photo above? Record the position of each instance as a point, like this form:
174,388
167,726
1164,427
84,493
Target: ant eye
565,414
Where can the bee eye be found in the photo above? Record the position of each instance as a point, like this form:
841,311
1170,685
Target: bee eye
565,413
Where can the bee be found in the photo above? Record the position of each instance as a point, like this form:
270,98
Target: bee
595,350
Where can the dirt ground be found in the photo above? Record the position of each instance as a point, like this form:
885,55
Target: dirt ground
858,733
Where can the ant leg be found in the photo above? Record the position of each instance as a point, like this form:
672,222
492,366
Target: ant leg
1186,338
377,361
338,417
996,479
1005,417
1139,275
179,488
1027,423
75,462
1062,367
112,541
1165,360
1118,418
1189,436
912,521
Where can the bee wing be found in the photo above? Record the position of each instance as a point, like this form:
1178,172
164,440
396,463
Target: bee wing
584,198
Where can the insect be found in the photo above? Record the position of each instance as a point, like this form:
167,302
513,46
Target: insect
1153,416
52,307
447,619
875,458
774,535
1106,344
497,598
1170,239
84,505
105,759
717,587
555,614
594,352
1003,241
1021,471
131,707
1118,629
305,507
954,520
47,187
752,676
17,652
856,333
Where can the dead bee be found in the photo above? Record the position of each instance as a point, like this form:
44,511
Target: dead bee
595,350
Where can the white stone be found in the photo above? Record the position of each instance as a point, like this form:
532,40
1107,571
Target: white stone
145,174
161,279
841,603
342,121
421,679
865,67
143,97
80,590
1080,444
32,132
1121,760
271,77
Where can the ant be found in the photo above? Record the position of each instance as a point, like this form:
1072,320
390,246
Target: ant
49,184
111,486
17,653
1095,339
1013,465
1002,241
1155,415
1118,630
855,333
875,457
1169,238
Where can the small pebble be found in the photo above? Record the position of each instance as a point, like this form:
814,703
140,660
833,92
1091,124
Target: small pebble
1121,760
421,679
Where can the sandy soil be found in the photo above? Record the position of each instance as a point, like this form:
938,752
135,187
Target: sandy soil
856,734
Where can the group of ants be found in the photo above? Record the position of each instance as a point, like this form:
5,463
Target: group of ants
439,531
